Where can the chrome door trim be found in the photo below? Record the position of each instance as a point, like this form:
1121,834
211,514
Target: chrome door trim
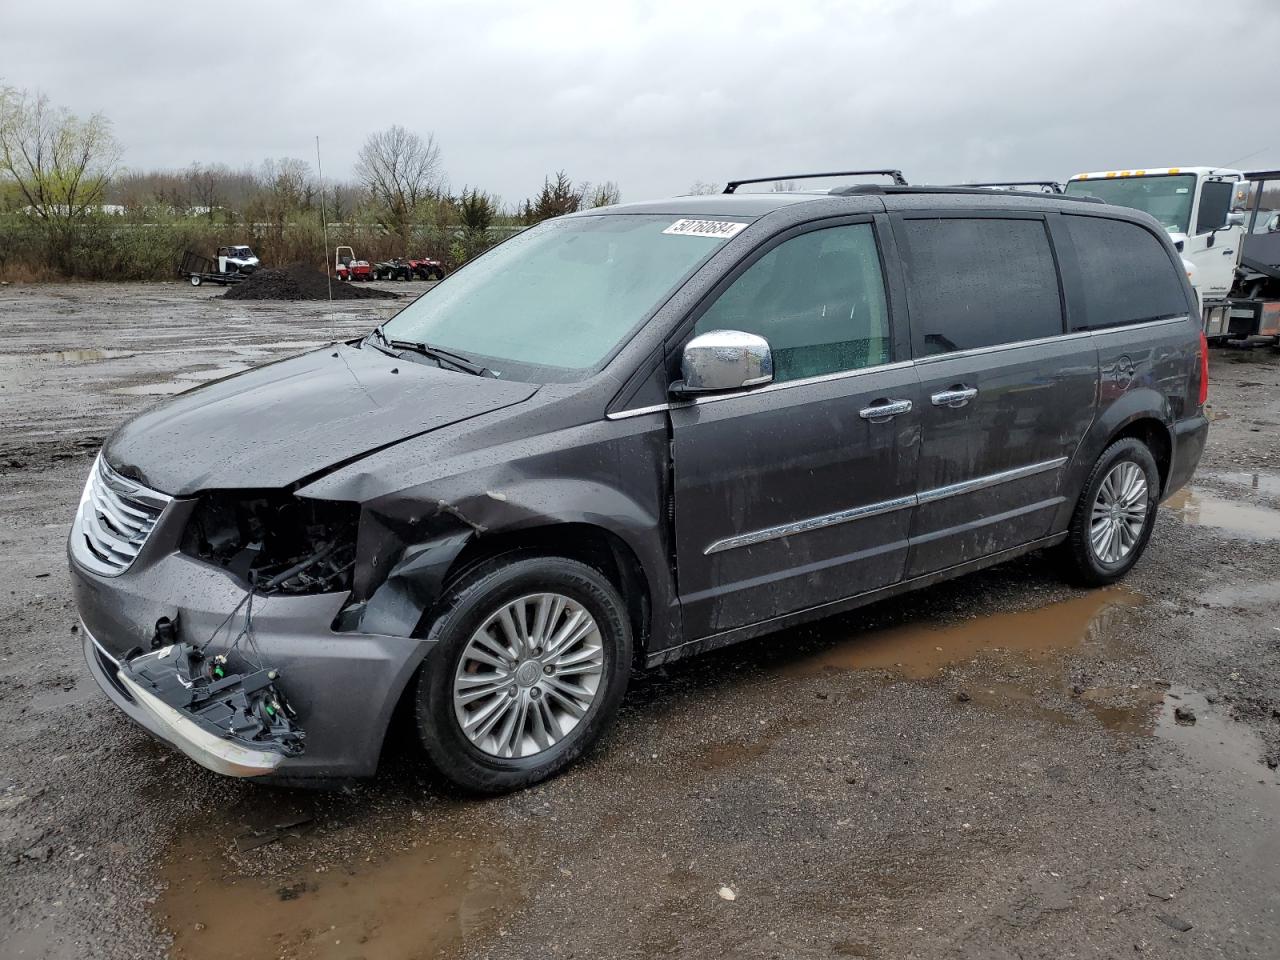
810,524
769,388
990,480
788,384
1001,347
637,411
1165,322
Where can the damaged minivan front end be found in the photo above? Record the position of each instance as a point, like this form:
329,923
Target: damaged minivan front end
216,622
230,624
259,630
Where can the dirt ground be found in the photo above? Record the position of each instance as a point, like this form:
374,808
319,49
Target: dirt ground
989,768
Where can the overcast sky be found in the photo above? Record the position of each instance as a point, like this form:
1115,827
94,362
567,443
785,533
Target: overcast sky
656,95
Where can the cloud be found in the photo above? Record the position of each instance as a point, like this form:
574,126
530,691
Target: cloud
656,95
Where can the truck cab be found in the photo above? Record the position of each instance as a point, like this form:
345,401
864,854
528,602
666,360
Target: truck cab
1194,205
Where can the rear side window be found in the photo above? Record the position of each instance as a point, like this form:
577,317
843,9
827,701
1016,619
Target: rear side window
1126,274
817,298
978,283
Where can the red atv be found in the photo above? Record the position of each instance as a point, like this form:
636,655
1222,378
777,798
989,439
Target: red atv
424,268
347,267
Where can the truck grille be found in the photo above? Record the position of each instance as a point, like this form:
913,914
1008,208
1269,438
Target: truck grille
115,518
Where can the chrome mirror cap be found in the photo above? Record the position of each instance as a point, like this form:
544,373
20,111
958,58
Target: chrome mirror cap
725,360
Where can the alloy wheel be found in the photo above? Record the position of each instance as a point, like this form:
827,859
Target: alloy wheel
1119,512
528,675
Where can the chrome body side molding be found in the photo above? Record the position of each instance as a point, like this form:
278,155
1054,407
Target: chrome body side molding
810,524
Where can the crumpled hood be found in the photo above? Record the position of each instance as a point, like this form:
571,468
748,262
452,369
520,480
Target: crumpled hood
276,424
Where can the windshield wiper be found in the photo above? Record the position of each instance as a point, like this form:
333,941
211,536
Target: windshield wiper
377,332
440,356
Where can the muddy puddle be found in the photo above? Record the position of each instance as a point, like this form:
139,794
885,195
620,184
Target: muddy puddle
1216,742
1258,484
1235,517
421,896
918,651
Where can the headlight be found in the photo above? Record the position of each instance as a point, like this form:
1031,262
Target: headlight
276,541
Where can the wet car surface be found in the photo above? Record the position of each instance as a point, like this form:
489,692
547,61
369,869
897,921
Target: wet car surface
991,767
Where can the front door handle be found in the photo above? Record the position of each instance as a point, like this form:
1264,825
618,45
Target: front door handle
882,411
955,397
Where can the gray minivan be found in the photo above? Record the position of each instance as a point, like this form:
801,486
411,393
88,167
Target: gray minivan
622,437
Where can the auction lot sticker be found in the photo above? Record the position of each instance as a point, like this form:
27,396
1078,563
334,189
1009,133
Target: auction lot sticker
719,229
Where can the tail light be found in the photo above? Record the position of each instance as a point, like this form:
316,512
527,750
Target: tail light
1204,369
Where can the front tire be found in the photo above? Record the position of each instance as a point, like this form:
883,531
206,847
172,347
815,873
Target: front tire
531,661
1114,516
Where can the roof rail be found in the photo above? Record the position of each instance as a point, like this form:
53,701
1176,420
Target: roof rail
894,175
875,188
1053,185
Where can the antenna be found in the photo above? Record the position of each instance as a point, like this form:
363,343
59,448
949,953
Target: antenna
324,226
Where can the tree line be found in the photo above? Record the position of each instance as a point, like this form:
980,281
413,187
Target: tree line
68,209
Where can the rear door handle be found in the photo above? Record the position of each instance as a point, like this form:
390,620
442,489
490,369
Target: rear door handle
884,411
955,397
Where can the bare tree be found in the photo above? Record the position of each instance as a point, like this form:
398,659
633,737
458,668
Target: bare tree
59,164
702,188
206,186
603,195
400,170
284,187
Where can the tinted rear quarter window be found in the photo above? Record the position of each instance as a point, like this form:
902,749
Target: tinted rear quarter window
979,282
1126,273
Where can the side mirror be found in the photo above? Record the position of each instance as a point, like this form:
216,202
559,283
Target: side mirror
1234,220
724,360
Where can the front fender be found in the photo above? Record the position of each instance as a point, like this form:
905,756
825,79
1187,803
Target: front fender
409,544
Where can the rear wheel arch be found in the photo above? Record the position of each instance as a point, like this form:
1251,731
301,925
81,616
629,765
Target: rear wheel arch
1155,435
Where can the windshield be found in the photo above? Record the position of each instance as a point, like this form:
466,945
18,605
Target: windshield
1167,197
241,252
553,302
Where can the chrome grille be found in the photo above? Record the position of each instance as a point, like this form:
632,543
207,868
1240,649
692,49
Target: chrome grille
115,518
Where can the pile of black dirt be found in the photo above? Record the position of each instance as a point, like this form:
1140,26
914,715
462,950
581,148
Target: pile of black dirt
299,281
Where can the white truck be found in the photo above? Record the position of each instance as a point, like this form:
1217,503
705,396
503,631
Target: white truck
1195,205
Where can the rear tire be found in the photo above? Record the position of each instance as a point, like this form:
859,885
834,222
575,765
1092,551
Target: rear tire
1114,516
499,710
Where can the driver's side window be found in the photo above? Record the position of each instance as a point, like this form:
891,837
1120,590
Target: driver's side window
817,298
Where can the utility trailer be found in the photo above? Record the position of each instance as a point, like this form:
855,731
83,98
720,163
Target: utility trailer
198,268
